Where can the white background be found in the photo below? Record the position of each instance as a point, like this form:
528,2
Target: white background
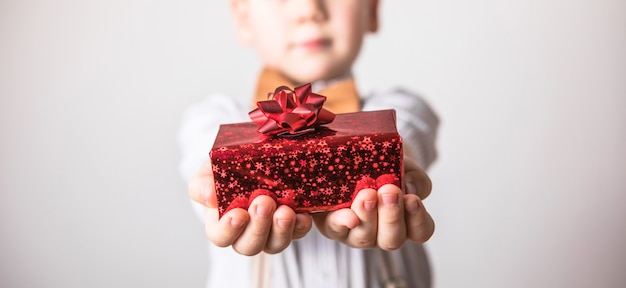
530,186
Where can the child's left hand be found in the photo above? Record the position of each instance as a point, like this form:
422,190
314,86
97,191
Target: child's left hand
385,218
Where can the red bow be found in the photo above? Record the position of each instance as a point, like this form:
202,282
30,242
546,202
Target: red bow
292,112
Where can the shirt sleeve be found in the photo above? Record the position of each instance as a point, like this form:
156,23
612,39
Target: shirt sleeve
416,121
198,129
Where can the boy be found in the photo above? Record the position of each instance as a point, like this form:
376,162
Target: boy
316,41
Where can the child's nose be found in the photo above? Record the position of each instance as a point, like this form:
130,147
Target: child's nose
309,10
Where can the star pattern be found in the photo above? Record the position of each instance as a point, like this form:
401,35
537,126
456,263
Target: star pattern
317,171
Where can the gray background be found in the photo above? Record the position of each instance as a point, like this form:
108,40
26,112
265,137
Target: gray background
529,187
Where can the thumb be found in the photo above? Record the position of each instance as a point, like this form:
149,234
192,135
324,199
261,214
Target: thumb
202,186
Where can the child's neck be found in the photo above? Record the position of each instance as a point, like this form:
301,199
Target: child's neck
323,84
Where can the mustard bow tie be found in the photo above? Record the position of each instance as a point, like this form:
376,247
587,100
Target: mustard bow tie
341,95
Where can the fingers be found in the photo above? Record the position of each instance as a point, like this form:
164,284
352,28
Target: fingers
281,233
420,225
405,219
376,218
392,230
365,207
386,218
416,181
253,239
225,231
263,227
337,224
304,222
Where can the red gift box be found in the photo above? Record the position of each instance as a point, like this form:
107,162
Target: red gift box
317,171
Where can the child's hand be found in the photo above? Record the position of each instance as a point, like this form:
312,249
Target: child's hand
385,218
263,227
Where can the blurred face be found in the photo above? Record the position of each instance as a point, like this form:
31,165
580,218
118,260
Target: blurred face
307,40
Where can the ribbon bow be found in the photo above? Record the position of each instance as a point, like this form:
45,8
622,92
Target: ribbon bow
291,112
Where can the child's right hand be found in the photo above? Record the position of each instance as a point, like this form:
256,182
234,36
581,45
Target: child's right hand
263,227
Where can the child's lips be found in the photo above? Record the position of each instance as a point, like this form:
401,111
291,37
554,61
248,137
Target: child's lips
315,44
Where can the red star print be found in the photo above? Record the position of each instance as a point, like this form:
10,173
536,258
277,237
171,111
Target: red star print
344,188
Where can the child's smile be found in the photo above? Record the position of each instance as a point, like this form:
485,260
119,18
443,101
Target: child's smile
313,45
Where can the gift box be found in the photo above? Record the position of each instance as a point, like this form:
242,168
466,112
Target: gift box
320,169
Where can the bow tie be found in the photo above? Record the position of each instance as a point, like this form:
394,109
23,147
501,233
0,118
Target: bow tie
341,95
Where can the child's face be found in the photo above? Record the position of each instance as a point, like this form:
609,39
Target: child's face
307,40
